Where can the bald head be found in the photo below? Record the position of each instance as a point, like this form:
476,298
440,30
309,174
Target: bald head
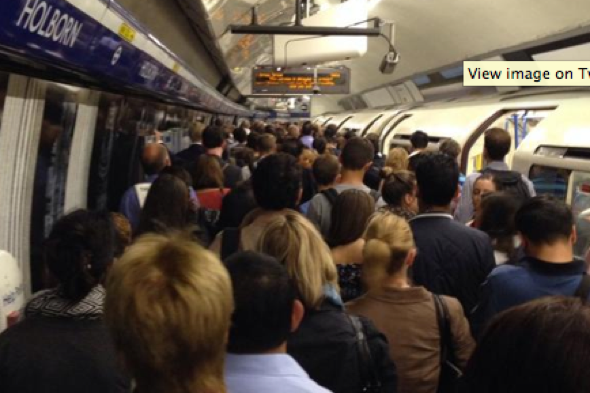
154,158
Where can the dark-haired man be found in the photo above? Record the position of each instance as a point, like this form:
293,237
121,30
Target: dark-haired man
266,312
276,183
214,141
154,159
419,141
325,172
356,158
452,259
496,146
549,268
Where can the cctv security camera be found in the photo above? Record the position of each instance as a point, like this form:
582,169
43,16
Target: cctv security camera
389,62
316,89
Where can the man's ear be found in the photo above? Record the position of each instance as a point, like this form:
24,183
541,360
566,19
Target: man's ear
367,166
574,237
297,315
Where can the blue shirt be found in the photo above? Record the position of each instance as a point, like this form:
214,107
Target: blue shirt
130,206
511,285
269,373
307,140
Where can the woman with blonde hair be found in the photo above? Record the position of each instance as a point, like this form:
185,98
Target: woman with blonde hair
408,315
397,159
325,344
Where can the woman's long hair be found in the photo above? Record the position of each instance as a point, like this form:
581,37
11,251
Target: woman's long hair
208,173
165,207
298,245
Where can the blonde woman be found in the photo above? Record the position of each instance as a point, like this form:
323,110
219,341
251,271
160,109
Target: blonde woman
325,344
406,314
397,159
168,306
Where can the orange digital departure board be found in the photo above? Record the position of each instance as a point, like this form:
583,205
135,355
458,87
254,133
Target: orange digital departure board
300,80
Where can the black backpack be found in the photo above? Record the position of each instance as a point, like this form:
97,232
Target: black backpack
510,182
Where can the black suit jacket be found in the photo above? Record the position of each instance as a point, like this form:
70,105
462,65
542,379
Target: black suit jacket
452,258
191,154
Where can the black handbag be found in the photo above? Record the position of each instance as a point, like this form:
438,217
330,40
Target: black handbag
369,377
450,374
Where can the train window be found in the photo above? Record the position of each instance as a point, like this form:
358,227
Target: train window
519,123
3,89
57,131
580,202
550,181
368,127
110,150
572,187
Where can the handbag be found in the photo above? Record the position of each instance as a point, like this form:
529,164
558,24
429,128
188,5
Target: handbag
370,379
450,374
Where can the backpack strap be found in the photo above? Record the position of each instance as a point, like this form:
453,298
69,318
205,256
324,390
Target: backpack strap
331,195
583,289
230,242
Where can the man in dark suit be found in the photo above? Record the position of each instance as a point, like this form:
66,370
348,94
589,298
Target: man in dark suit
191,154
452,259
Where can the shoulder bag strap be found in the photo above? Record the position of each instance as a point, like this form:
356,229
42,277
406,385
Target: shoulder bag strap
447,353
368,372
583,289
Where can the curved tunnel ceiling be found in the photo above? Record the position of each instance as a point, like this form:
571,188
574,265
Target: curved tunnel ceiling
430,34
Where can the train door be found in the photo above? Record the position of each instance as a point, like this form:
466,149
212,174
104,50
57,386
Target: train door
518,123
3,89
57,131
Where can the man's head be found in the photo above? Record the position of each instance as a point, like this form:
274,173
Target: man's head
320,145
437,175
357,155
196,132
154,158
267,144
266,305
374,139
496,144
450,147
293,131
168,306
240,135
545,221
326,169
213,137
419,140
330,131
277,182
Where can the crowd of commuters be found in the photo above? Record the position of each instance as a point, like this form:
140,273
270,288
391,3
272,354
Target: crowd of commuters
287,258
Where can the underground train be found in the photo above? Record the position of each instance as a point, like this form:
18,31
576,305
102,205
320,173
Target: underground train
76,107
550,130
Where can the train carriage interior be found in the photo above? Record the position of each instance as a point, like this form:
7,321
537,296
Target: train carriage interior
218,165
